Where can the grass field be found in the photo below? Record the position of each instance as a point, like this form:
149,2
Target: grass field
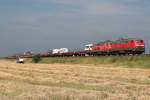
97,81
124,61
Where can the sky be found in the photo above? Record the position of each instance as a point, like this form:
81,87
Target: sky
40,25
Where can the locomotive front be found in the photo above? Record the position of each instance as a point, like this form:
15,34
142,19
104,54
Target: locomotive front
139,46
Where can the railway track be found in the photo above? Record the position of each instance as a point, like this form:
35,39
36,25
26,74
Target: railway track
74,56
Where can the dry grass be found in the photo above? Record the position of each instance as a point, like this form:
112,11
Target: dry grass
72,82
137,61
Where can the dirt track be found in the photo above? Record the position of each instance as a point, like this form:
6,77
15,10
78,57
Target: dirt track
72,82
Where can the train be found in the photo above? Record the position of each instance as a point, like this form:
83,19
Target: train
123,46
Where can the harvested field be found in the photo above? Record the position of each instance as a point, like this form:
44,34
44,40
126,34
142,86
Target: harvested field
72,82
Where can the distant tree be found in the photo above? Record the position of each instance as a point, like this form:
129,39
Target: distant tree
36,58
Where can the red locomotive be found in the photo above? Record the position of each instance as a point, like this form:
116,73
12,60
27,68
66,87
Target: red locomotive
121,46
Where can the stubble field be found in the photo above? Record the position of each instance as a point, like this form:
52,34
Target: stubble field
72,82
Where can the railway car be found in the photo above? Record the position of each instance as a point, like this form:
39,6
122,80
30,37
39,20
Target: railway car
102,48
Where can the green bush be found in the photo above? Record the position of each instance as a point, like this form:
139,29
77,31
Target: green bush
36,58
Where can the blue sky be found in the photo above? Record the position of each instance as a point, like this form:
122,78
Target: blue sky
39,25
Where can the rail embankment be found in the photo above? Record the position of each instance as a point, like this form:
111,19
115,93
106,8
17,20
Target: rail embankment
139,61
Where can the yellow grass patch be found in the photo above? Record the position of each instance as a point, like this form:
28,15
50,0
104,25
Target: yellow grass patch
72,82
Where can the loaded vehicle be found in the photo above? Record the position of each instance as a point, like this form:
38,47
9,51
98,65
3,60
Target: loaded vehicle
61,50
88,47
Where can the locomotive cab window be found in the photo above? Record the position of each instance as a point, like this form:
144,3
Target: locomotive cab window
141,41
132,41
